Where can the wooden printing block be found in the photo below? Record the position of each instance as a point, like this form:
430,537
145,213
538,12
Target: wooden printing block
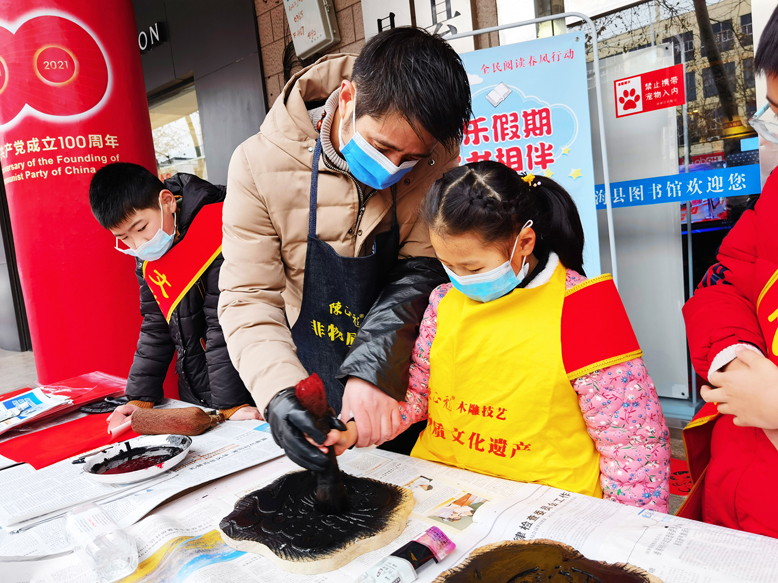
282,522
539,560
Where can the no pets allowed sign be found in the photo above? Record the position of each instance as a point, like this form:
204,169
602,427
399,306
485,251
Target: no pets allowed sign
650,91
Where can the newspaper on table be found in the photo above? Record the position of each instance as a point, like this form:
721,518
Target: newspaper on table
28,405
180,542
28,497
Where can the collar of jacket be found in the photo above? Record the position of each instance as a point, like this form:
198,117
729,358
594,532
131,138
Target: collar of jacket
288,126
193,193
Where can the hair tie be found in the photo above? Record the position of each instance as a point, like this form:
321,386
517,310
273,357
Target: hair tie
529,177
486,203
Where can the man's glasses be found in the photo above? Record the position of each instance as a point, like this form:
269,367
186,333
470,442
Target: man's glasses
766,128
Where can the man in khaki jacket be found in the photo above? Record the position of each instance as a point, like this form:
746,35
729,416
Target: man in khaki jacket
327,266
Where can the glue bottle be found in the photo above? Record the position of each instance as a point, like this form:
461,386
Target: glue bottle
103,547
401,566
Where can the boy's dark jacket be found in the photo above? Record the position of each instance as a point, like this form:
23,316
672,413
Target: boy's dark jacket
205,373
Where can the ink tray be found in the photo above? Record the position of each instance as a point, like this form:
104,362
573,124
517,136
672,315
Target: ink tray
138,459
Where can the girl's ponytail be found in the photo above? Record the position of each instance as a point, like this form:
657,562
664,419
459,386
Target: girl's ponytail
493,201
560,225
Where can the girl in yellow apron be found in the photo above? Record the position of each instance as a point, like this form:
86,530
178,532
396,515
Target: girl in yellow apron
523,368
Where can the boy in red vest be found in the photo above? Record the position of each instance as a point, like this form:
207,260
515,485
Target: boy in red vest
732,326
174,231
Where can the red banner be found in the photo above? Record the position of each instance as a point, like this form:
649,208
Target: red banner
650,91
72,99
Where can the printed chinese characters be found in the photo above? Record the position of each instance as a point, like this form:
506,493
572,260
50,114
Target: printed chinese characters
509,127
474,440
38,161
536,517
336,332
681,188
442,13
531,61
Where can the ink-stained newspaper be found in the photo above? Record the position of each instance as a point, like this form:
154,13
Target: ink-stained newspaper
29,496
179,542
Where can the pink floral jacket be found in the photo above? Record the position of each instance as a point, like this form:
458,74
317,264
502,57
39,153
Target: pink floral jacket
619,404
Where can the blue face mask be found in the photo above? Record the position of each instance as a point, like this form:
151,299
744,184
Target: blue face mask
156,247
485,287
367,164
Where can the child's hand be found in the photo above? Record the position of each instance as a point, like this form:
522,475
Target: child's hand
748,390
120,416
340,440
245,413
345,439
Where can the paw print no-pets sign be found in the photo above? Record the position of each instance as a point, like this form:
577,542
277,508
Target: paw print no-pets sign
629,96
650,91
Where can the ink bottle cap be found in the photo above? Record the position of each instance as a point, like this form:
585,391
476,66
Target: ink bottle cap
431,544
401,566
437,542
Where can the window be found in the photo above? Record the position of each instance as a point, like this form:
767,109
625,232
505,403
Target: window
748,73
178,136
709,85
717,117
750,108
724,35
691,86
746,30
687,45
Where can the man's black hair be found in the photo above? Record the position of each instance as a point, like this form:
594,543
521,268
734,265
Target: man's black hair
119,189
766,58
418,75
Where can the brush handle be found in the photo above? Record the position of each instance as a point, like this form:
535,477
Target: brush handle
331,496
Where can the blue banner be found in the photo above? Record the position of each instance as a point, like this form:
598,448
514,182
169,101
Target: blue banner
721,182
531,112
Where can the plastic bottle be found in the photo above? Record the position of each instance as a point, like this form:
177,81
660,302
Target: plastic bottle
101,545
401,566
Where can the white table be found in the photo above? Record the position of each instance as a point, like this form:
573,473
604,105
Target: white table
674,549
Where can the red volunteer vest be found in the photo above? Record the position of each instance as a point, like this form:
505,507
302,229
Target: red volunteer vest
171,276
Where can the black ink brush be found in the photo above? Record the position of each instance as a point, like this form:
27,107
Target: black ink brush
331,497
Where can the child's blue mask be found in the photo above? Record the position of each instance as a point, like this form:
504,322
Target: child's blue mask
367,164
485,287
157,246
